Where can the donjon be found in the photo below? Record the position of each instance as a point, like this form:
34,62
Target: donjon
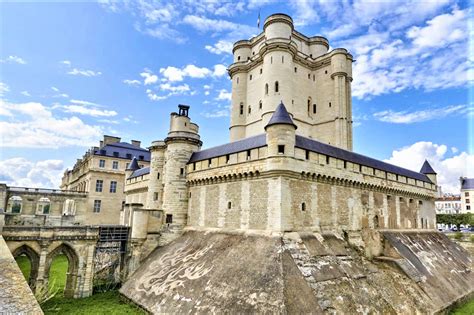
285,218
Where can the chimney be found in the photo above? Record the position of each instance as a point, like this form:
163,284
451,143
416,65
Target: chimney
136,143
110,139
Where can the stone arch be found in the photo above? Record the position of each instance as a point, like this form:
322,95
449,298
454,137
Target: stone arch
73,267
34,261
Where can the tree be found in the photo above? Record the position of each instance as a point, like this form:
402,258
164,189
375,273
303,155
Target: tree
456,219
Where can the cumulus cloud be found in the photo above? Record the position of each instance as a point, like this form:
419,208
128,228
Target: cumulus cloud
174,74
33,125
149,77
13,59
449,166
4,88
84,72
25,173
224,95
221,47
94,112
406,117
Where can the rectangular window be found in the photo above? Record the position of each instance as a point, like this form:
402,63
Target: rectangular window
116,154
113,186
281,149
467,201
466,194
141,157
314,108
155,196
98,185
169,218
227,158
115,165
345,164
209,162
126,165
181,171
248,154
128,155
101,163
307,154
327,159
158,176
97,204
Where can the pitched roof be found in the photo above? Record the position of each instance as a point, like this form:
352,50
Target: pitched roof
281,117
427,169
326,149
123,150
133,165
229,148
140,172
467,183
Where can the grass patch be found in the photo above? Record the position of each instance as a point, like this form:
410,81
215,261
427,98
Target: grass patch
57,274
465,309
25,266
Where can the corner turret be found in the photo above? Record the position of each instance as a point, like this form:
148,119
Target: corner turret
281,133
429,172
132,167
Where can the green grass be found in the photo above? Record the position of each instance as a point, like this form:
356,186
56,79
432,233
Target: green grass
465,309
25,266
57,274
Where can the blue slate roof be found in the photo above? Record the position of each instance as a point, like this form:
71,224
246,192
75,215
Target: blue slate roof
123,150
140,172
133,166
229,148
427,169
326,149
467,183
280,117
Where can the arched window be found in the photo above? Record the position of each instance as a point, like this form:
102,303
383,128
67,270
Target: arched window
43,206
241,108
69,207
266,89
14,204
276,87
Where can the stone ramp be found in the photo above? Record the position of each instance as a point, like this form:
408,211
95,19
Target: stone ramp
443,268
295,273
15,294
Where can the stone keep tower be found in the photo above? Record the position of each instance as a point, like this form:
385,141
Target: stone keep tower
183,139
283,65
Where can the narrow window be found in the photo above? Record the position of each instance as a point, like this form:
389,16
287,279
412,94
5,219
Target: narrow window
181,171
158,175
396,177
309,105
98,185
329,104
194,166
266,89
373,171
307,154
115,165
155,196
303,207
360,168
271,59
309,76
250,110
101,163
227,158
261,71
314,108
113,187
327,159
209,163
169,218
250,77
326,72
229,205
314,77
97,204
260,105
276,86
241,108
282,59
389,197
296,70
281,149
238,57
345,164
237,80
248,154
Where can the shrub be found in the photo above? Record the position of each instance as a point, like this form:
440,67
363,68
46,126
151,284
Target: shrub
458,236
472,238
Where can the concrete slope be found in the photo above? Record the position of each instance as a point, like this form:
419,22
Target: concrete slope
294,273
15,294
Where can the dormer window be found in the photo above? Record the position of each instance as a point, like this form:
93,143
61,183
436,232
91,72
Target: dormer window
116,154
129,155
141,157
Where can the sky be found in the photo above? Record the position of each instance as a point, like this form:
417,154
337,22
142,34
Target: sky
71,72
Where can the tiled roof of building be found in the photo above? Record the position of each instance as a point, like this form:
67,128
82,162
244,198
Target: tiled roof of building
133,166
140,172
281,117
123,150
467,183
229,148
427,169
326,149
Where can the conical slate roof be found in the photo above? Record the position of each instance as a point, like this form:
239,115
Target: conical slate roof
427,169
133,166
281,116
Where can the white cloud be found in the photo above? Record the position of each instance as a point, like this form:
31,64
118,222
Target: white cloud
66,62
406,117
224,95
449,168
85,73
94,112
13,59
179,89
25,173
219,70
221,47
55,89
132,82
86,103
25,93
4,88
174,74
153,96
32,125
149,77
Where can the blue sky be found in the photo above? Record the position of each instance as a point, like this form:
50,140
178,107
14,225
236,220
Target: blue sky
73,71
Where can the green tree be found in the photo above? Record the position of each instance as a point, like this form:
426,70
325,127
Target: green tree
456,219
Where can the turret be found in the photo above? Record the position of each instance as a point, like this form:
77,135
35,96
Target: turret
278,25
183,139
132,167
281,133
429,172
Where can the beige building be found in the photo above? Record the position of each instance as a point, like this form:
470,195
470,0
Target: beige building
101,174
467,194
448,205
283,65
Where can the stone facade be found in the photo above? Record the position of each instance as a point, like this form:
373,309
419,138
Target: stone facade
283,65
101,174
